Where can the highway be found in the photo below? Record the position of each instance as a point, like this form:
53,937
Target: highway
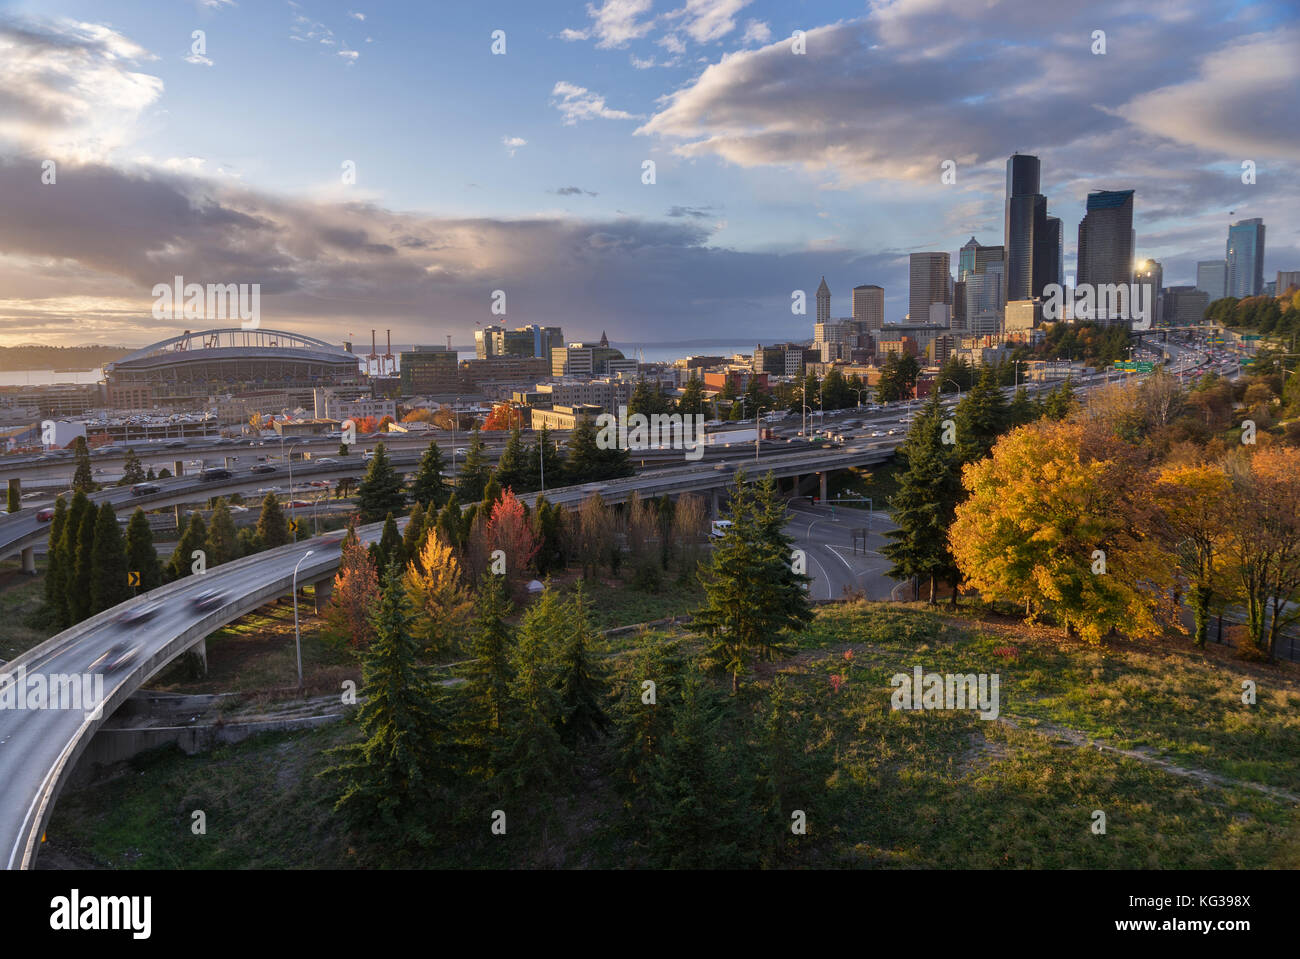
39,747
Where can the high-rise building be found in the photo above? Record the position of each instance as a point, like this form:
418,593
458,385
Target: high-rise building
823,302
1212,278
1053,253
869,306
522,341
1184,305
1106,241
984,308
1246,258
1286,279
1025,230
1149,273
930,282
428,369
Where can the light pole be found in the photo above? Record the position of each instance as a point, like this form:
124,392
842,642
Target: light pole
863,390
948,379
758,429
454,417
297,634
806,410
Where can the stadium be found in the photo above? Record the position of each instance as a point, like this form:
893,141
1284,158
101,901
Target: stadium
184,371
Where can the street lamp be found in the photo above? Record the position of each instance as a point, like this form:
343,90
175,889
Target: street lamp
863,390
948,379
297,634
454,417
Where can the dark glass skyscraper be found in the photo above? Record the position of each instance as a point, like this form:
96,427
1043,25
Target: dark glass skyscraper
1027,239
1106,238
1246,258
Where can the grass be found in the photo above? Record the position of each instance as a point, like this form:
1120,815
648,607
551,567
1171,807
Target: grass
908,789
20,596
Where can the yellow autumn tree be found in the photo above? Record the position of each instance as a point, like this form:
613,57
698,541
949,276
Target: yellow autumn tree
1061,533
1194,501
441,601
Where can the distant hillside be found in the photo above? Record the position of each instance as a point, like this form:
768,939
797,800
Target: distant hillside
58,357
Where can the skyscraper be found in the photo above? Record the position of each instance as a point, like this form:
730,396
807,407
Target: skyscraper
869,306
1246,258
930,282
981,277
1150,273
1212,278
1106,240
1025,233
823,302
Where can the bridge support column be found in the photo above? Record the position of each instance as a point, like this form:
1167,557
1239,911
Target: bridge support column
713,503
16,490
823,476
322,591
200,652
29,560
178,468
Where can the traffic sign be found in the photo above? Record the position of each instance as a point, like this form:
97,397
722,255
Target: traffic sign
133,578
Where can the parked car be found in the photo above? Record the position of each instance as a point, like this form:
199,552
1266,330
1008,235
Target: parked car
720,527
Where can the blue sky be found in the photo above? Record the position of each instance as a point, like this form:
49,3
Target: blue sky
523,172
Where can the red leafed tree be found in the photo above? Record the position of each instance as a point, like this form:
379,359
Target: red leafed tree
356,593
508,530
504,416
383,423
366,424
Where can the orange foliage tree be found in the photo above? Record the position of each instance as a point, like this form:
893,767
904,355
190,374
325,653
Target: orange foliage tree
504,416
355,595
508,530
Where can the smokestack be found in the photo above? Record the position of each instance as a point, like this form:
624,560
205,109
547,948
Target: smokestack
388,357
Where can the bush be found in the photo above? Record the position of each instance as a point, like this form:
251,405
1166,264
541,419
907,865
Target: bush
1247,651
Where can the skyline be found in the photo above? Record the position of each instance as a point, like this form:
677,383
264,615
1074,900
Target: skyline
524,173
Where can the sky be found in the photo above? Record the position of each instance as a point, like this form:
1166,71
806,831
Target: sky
394,165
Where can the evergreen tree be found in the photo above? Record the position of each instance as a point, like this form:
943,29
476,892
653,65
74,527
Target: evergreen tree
692,398
141,556
441,601
69,541
56,571
981,417
272,528
1021,410
641,727
195,537
82,479
925,504
546,528
889,387
222,545
398,776
413,534
388,551
489,673
108,585
793,769
380,492
582,685
475,474
588,462
149,475
752,594
545,464
512,467
1060,401
448,523
430,488
247,542
491,493
132,470
79,599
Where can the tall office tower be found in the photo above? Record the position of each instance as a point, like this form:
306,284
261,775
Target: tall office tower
869,306
984,308
1286,279
823,302
1025,233
930,283
1053,255
959,304
966,257
1151,274
485,341
1246,258
1212,278
1106,240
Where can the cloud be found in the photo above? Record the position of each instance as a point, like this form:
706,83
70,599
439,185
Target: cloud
573,191
681,211
578,103
614,23
198,60
708,20
513,143
68,89
756,32
356,16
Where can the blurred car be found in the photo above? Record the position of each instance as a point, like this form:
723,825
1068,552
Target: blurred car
143,489
319,483
263,468
269,489
462,452
175,444
215,473
324,459
117,656
139,614
208,599
45,515
297,504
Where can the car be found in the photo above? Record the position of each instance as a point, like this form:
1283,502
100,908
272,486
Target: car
263,468
44,515
324,459
143,489
319,483
720,528
139,614
214,474
462,452
208,599
892,432
236,508
175,444
115,657
269,489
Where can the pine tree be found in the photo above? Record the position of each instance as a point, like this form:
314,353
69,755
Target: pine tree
79,599
981,417
413,534
512,467
642,725
247,542
448,523
583,462
393,780
380,492
69,541
195,537
388,551
489,673
82,479
149,475
440,599
752,594
348,621
1021,410
491,493
476,472
925,504
108,585
272,528
582,685
546,530
692,398
141,556
56,571
132,470
430,488
222,545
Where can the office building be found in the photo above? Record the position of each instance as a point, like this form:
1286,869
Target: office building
1025,233
522,341
784,359
1106,242
823,302
1149,273
930,282
983,310
426,370
869,306
1286,280
1212,278
1184,305
1246,258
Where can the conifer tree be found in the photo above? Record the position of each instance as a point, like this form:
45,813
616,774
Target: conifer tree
56,571
489,673
380,492
108,585
441,602
692,398
141,556
222,545
582,684
476,472
79,599
272,527
69,541
195,537
388,551
981,417
448,523
413,534
82,479
132,470
512,468
430,488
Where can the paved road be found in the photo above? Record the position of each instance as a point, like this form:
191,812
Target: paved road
825,536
